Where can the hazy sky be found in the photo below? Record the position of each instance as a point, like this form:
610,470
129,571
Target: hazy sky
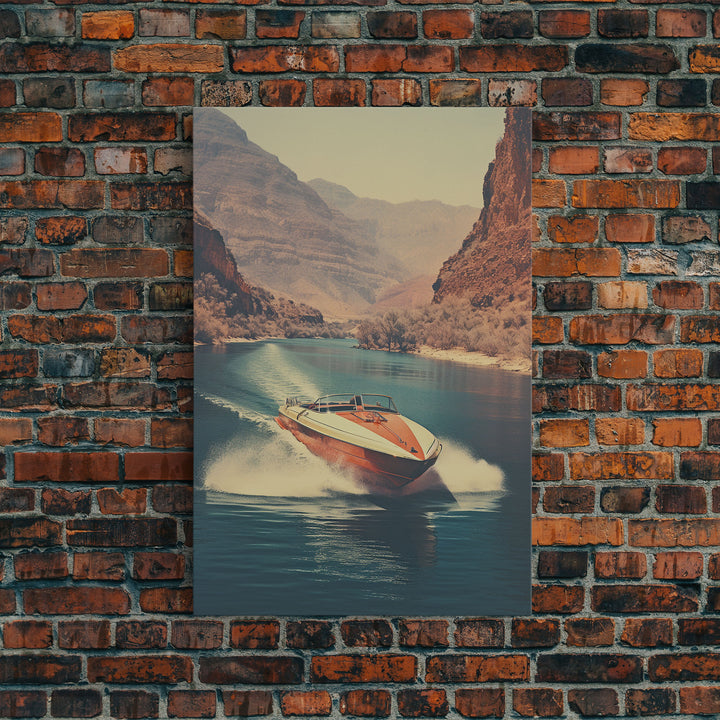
395,154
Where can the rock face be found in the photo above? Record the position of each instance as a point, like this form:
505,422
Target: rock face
212,258
283,236
419,234
493,264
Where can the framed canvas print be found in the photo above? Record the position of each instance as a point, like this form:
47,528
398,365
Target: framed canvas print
362,361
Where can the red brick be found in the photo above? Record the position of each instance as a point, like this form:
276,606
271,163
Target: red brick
684,666
158,466
557,599
677,532
30,127
191,703
564,433
513,58
653,701
281,92
392,92
447,24
151,196
27,634
629,193
114,263
311,702
538,702
40,566
680,23
479,633
595,702
623,92
98,566
166,669
61,296
168,91
76,600
624,499
118,296
258,670
547,329
621,329
169,57
700,700
671,432
108,25
620,431
23,703
116,431
480,702
622,364
84,634
677,566
422,703
115,160
363,668
197,634
660,127
535,632
366,633
251,634
221,24
158,566
62,430
565,262
651,632
18,363
569,499
548,193
338,92
678,295
630,228
131,501
682,160
564,23
577,531
477,668
51,194
365,703
684,397
281,58
423,633
39,668
56,501
309,634
573,92
60,162
76,467
140,634
634,465
247,702
590,632
121,126
574,229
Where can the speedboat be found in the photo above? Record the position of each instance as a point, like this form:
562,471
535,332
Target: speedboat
362,431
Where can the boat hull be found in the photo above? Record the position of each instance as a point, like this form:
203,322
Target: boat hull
397,470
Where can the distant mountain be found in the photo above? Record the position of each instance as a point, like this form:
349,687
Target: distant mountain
409,294
420,234
226,305
281,233
493,265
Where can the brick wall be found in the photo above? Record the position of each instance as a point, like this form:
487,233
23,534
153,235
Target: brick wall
96,364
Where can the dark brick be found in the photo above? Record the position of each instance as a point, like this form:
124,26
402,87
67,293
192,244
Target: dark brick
496,25
51,92
568,295
620,58
594,702
653,701
111,94
76,703
9,24
624,499
681,93
589,668
623,23
562,564
117,230
134,704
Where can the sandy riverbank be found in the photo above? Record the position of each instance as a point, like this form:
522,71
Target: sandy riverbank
460,355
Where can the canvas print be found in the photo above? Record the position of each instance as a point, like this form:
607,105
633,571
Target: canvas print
362,361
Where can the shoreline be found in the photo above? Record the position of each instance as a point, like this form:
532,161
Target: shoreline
460,355
457,355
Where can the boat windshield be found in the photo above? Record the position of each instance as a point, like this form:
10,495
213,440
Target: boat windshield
350,402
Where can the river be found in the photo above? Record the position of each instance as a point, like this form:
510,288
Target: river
280,532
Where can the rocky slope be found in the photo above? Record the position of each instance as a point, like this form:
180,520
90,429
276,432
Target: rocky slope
283,236
420,234
226,305
493,265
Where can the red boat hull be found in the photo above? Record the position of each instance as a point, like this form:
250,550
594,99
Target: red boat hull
399,471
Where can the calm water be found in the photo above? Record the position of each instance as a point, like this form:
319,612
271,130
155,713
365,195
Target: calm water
279,532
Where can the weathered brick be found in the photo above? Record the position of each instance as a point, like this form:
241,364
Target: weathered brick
108,25
309,634
233,669
660,701
278,58
480,702
135,704
365,703
589,668
221,24
447,24
76,601
623,23
479,633
44,57
647,632
98,566
84,634
477,668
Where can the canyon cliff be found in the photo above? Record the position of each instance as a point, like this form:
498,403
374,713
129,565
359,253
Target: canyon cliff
281,233
492,267
226,305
